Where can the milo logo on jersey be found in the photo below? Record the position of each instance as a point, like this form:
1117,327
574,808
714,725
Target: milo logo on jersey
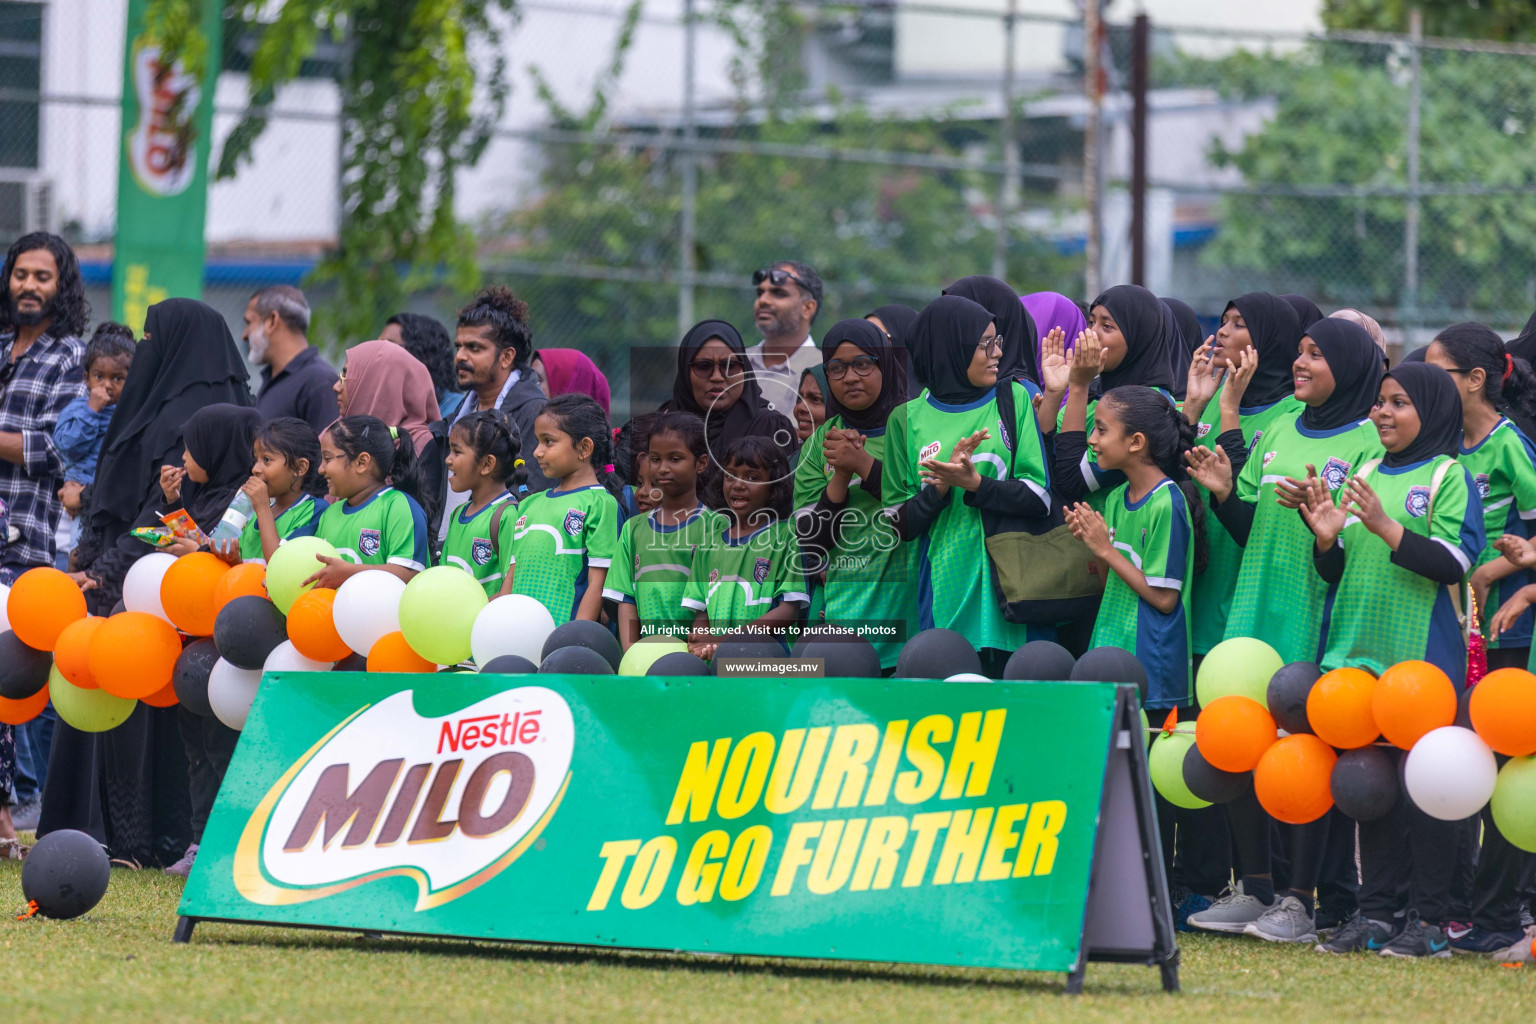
481,551
1417,501
928,451
1201,429
370,542
575,519
1483,488
447,802
1335,472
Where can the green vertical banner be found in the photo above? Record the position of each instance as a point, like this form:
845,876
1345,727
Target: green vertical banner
162,180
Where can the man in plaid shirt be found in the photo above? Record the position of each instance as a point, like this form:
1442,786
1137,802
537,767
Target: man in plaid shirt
42,315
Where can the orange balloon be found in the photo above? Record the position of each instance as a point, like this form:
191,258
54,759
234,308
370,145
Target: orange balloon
72,654
43,601
392,654
20,712
312,629
1292,779
245,579
187,590
1233,732
133,654
164,697
1339,708
1410,699
1503,709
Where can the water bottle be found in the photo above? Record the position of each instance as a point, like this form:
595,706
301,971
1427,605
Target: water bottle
235,517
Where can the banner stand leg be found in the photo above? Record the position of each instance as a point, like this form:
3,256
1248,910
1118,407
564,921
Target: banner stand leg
184,926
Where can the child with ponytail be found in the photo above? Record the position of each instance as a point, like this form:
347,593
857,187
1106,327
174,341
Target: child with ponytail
565,537
483,450
1151,536
377,520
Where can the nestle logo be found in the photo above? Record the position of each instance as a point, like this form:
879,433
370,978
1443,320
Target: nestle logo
486,731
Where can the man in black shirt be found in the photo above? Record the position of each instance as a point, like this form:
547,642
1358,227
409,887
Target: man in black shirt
295,381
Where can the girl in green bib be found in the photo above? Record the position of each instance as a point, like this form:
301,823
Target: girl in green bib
377,521
285,488
482,459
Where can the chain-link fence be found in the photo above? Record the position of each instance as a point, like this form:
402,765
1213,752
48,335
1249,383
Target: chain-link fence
894,146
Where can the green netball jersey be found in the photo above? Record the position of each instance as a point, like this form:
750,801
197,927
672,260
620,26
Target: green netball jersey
954,585
470,545
1279,597
1099,481
297,520
654,564
737,580
1503,468
558,536
1212,598
1383,613
1154,534
871,584
387,529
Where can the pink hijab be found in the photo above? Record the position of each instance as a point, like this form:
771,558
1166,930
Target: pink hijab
570,371
386,381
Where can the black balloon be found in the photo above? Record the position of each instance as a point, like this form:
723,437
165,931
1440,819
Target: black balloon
937,654
1287,695
757,646
23,669
352,663
1366,783
576,661
510,665
65,874
1110,665
1039,660
190,677
678,663
1464,707
248,629
586,633
843,655
1211,783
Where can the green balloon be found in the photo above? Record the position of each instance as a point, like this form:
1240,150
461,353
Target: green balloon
1166,764
437,613
1514,802
87,710
290,565
637,661
1240,666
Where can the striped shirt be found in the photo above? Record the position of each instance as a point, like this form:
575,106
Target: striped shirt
41,382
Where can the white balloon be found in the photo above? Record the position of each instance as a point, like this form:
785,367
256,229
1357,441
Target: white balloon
5,617
141,587
286,658
511,624
1450,773
231,691
367,607
967,677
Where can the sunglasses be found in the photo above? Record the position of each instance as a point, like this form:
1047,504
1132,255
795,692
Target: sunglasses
776,277
704,369
862,366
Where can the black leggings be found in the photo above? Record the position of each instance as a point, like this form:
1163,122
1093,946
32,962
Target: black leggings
1251,838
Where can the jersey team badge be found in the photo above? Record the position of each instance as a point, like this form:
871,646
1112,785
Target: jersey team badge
1417,502
1335,472
760,570
369,542
714,575
1483,489
480,550
575,519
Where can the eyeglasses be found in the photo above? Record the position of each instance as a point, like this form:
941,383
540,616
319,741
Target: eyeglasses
863,366
704,369
988,344
776,277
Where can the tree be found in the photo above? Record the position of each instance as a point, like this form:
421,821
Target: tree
409,88
1507,21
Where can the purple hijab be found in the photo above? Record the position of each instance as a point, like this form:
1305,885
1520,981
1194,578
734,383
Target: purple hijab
1053,309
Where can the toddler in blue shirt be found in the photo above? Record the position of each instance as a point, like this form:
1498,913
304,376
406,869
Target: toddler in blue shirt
82,426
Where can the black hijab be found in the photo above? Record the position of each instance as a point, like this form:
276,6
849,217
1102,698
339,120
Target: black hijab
899,322
1275,330
1189,339
218,438
186,361
1149,338
1306,310
749,417
1355,363
1015,327
1433,394
893,372
1523,344
947,331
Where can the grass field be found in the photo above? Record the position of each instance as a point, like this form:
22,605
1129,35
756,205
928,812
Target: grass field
117,964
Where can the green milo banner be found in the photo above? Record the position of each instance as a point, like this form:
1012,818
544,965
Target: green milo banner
833,818
162,178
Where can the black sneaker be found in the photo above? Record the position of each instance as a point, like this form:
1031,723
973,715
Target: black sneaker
1483,942
1357,935
1418,939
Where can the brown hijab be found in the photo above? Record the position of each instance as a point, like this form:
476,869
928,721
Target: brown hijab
386,381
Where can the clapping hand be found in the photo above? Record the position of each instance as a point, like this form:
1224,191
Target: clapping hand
958,471
1211,469
1086,359
1517,549
1323,517
1088,526
1054,368
1204,376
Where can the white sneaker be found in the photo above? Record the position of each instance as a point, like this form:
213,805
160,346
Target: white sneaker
1286,921
1231,914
